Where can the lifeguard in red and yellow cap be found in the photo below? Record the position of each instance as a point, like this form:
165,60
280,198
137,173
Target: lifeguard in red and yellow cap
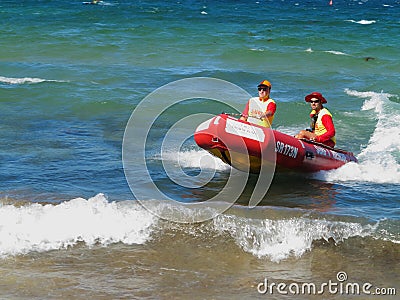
260,110
322,129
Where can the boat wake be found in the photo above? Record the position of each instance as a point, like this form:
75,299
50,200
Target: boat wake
379,161
195,159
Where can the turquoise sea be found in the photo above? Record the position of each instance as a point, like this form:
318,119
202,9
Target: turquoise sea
79,222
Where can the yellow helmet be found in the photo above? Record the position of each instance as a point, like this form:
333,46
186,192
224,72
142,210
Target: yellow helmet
265,83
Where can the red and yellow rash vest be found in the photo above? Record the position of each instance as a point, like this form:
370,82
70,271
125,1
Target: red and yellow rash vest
324,128
256,107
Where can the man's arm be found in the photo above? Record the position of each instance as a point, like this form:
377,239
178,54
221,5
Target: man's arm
271,109
245,112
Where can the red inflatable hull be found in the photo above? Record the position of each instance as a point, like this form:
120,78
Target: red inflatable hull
247,147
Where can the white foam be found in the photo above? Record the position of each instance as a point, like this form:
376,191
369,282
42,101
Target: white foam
196,159
39,227
310,50
280,239
336,52
24,80
362,22
257,49
377,161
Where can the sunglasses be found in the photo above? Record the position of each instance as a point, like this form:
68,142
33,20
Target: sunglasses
314,101
263,89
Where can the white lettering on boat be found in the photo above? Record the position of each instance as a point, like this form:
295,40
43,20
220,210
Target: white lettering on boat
322,151
339,156
331,154
244,130
286,149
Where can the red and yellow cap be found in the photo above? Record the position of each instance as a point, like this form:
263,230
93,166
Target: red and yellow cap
317,96
265,83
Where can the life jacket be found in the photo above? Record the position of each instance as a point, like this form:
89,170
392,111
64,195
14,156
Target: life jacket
317,125
256,109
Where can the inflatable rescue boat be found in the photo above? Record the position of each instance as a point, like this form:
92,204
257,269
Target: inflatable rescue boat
247,147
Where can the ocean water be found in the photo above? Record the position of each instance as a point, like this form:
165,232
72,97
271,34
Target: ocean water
79,216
